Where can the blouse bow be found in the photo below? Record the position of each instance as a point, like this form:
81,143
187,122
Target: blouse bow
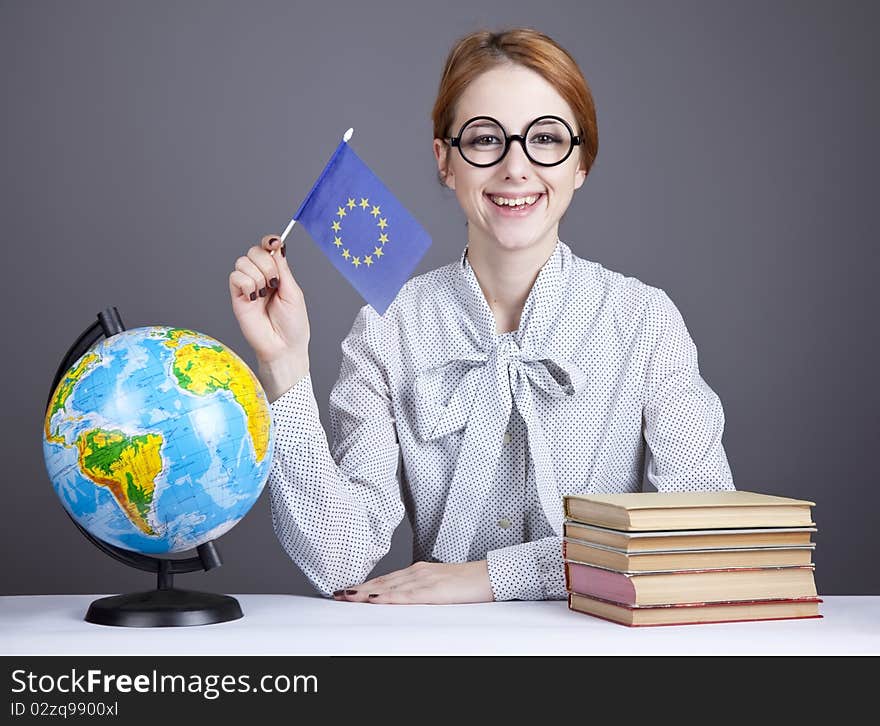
484,388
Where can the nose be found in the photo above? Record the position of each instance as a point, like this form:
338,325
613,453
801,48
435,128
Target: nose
515,163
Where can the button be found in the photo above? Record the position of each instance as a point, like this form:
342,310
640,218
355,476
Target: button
504,523
507,437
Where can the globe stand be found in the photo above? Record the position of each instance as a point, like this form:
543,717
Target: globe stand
166,606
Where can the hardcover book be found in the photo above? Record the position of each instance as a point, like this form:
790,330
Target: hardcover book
616,559
689,538
649,511
696,613
667,587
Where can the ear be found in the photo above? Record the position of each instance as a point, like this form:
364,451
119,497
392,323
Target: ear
441,154
579,177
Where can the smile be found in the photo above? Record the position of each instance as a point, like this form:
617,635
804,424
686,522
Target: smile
516,206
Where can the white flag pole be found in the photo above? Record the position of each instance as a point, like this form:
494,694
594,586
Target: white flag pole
287,231
345,137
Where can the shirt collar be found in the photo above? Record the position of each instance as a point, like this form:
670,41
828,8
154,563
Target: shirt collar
541,309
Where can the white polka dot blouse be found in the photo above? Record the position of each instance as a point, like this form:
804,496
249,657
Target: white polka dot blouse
476,435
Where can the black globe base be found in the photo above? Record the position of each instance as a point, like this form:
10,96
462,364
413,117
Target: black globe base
163,609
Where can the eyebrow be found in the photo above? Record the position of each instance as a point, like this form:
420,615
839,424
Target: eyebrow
548,122
482,123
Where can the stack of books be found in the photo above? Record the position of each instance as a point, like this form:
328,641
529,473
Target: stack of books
658,558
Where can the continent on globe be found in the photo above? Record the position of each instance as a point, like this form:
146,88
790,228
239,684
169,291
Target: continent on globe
158,439
127,466
65,388
203,370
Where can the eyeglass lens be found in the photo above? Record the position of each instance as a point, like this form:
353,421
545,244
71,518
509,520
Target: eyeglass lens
547,141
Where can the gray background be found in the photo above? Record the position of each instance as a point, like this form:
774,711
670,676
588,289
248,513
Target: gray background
147,145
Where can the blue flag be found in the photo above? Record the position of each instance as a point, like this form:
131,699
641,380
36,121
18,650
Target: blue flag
367,234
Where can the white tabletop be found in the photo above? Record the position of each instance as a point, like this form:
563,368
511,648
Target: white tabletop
290,624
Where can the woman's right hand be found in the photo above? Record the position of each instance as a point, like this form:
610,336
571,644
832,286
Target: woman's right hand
271,312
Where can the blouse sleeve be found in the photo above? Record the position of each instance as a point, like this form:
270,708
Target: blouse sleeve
683,419
335,509
528,571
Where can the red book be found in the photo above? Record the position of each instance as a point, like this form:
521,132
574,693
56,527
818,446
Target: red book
670,587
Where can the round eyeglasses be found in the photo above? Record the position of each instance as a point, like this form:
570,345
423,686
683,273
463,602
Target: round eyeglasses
482,141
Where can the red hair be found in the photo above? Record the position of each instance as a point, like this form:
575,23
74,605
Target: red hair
484,50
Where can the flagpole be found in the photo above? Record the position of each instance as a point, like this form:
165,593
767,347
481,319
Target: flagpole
345,137
287,231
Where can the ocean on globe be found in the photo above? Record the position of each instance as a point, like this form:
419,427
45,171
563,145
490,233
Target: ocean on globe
158,439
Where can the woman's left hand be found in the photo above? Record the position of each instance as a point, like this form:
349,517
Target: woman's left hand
435,583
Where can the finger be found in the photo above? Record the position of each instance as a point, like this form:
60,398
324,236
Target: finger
391,580
370,594
272,242
266,264
360,593
388,580
242,285
247,266
351,594
399,596
406,579
276,249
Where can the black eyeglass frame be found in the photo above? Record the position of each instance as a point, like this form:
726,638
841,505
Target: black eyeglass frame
576,140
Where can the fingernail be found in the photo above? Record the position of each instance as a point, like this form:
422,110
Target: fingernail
273,282
374,594
284,250
337,593
263,292
351,592
253,296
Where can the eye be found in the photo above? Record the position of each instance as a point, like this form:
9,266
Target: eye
484,140
545,139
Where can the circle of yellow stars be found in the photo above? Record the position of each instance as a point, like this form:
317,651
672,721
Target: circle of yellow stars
381,222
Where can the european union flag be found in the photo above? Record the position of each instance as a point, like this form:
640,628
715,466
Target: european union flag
367,234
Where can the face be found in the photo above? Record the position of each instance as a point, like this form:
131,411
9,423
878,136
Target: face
515,96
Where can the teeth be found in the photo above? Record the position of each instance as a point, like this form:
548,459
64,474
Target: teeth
503,201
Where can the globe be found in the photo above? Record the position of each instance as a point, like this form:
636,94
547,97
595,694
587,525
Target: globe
158,439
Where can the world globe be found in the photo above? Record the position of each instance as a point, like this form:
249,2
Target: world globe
158,439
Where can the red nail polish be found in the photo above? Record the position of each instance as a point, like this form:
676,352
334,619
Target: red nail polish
253,296
284,250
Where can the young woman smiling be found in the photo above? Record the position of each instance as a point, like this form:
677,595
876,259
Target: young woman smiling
492,386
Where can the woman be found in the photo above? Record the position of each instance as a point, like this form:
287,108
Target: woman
502,382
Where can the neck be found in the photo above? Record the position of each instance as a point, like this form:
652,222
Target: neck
506,276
